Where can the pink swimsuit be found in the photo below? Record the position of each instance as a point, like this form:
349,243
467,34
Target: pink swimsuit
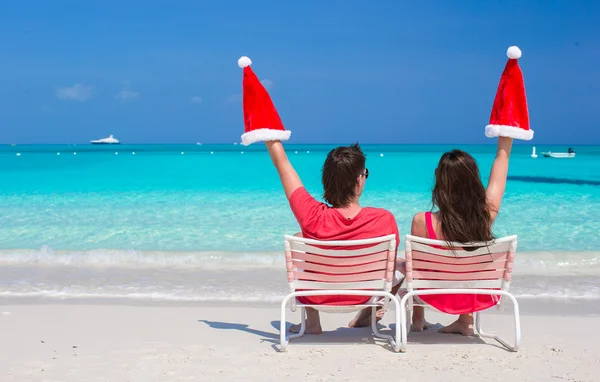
456,303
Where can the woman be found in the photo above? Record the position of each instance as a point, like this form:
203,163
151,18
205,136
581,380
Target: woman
465,213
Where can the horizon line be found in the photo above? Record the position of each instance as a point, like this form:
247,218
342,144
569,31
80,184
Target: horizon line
298,143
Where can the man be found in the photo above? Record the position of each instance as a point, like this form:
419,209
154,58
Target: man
344,177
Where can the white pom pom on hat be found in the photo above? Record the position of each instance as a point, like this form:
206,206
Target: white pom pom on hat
244,61
514,52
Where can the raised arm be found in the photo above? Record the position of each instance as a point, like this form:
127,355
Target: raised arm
497,182
288,176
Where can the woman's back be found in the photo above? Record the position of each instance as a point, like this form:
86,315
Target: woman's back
425,224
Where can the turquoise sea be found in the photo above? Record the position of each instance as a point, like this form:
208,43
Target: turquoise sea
206,222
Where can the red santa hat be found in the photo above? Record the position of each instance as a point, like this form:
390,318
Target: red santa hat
260,116
510,117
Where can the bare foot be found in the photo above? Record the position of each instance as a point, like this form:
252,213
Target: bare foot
363,318
312,329
419,325
459,327
313,323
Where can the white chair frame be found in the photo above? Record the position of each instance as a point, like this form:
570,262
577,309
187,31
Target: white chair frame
297,249
424,286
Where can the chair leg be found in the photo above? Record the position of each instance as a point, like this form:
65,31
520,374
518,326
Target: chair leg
302,324
376,331
393,340
481,333
409,312
404,322
410,306
477,326
396,343
283,342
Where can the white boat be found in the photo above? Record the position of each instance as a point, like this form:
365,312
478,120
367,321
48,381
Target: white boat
569,154
106,141
533,154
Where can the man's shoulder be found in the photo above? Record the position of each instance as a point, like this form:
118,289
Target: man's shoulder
379,213
382,222
301,198
307,210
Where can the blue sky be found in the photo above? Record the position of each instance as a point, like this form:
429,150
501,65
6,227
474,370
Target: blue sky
338,71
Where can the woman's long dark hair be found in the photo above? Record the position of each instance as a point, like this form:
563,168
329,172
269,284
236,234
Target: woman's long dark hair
460,196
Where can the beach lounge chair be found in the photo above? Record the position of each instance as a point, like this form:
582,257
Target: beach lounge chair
316,268
487,269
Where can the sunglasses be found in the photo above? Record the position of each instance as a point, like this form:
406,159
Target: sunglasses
366,173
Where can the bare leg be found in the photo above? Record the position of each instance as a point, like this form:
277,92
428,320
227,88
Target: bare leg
464,326
313,323
363,318
418,319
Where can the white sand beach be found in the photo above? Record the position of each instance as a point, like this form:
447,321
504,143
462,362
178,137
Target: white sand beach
77,342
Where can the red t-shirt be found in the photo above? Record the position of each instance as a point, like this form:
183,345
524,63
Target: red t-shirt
320,222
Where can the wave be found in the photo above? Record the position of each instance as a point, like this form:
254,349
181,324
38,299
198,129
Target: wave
540,262
65,295
146,259
140,296
560,296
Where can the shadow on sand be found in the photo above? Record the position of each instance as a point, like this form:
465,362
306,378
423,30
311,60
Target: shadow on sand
345,335
266,336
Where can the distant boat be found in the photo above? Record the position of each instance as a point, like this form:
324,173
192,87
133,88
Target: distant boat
106,141
533,154
569,154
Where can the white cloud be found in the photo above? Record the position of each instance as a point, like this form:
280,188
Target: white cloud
77,92
267,83
127,95
196,99
235,98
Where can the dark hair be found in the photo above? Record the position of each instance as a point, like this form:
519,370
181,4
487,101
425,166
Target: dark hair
460,196
341,170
